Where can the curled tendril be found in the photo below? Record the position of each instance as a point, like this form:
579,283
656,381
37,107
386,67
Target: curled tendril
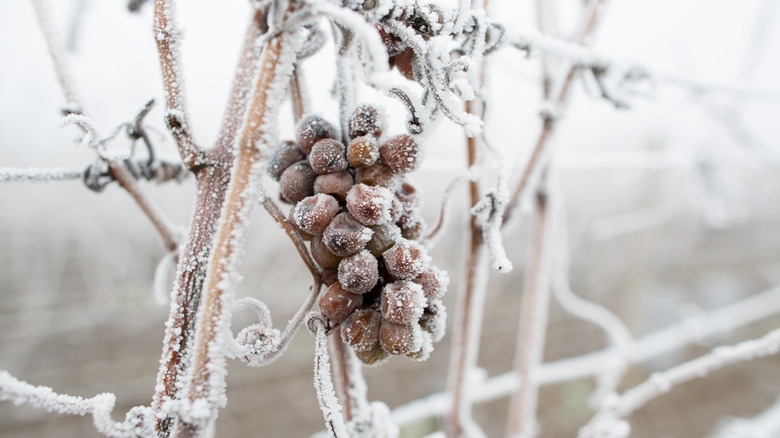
316,322
315,41
413,124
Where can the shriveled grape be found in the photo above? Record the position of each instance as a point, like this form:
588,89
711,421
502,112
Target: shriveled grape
297,182
336,184
310,130
369,205
402,302
406,259
385,236
284,156
400,338
365,120
337,304
322,255
361,329
434,282
400,153
362,151
345,235
314,213
328,156
377,175
359,272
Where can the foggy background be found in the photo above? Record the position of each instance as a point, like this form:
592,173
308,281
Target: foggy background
672,204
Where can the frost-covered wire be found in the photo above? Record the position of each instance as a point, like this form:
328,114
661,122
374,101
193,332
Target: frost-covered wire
139,421
609,420
764,425
705,326
37,174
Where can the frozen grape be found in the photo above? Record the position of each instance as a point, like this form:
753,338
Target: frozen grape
377,175
434,282
337,304
329,276
297,182
409,218
361,329
314,213
359,272
345,235
404,62
284,156
336,184
403,302
400,153
373,357
400,338
328,156
365,120
385,236
411,227
362,152
406,259
434,320
426,348
394,44
310,130
369,205
322,255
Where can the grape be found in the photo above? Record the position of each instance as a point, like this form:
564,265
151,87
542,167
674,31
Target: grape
291,220
297,182
375,356
400,338
310,130
322,255
434,282
385,236
402,302
314,213
369,205
329,276
361,329
426,347
345,235
394,44
337,304
336,184
406,259
377,175
404,62
362,152
359,272
434,320
328,156
285,155
409,219
400,153
365,120
411,227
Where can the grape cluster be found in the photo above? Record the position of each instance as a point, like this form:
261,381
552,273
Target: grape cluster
362,222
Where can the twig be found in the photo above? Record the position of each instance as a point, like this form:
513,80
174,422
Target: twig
610,417
548,120
207,375
692,331
138,422
167,36
533,327
72,99
331,410
296,94
437,230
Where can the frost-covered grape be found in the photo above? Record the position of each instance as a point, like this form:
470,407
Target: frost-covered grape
394,44
328,156
322,255
375,356
404,62
345,235
402,302
400,153
336,184
291,220
297,182
365,120
409,219
434,282
310,130
361,329
369,205
412,229
314,213
408,195
284,156
406,259
385,236
426,348
400,338
362,151
377,175
359,272
337,304
434,320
